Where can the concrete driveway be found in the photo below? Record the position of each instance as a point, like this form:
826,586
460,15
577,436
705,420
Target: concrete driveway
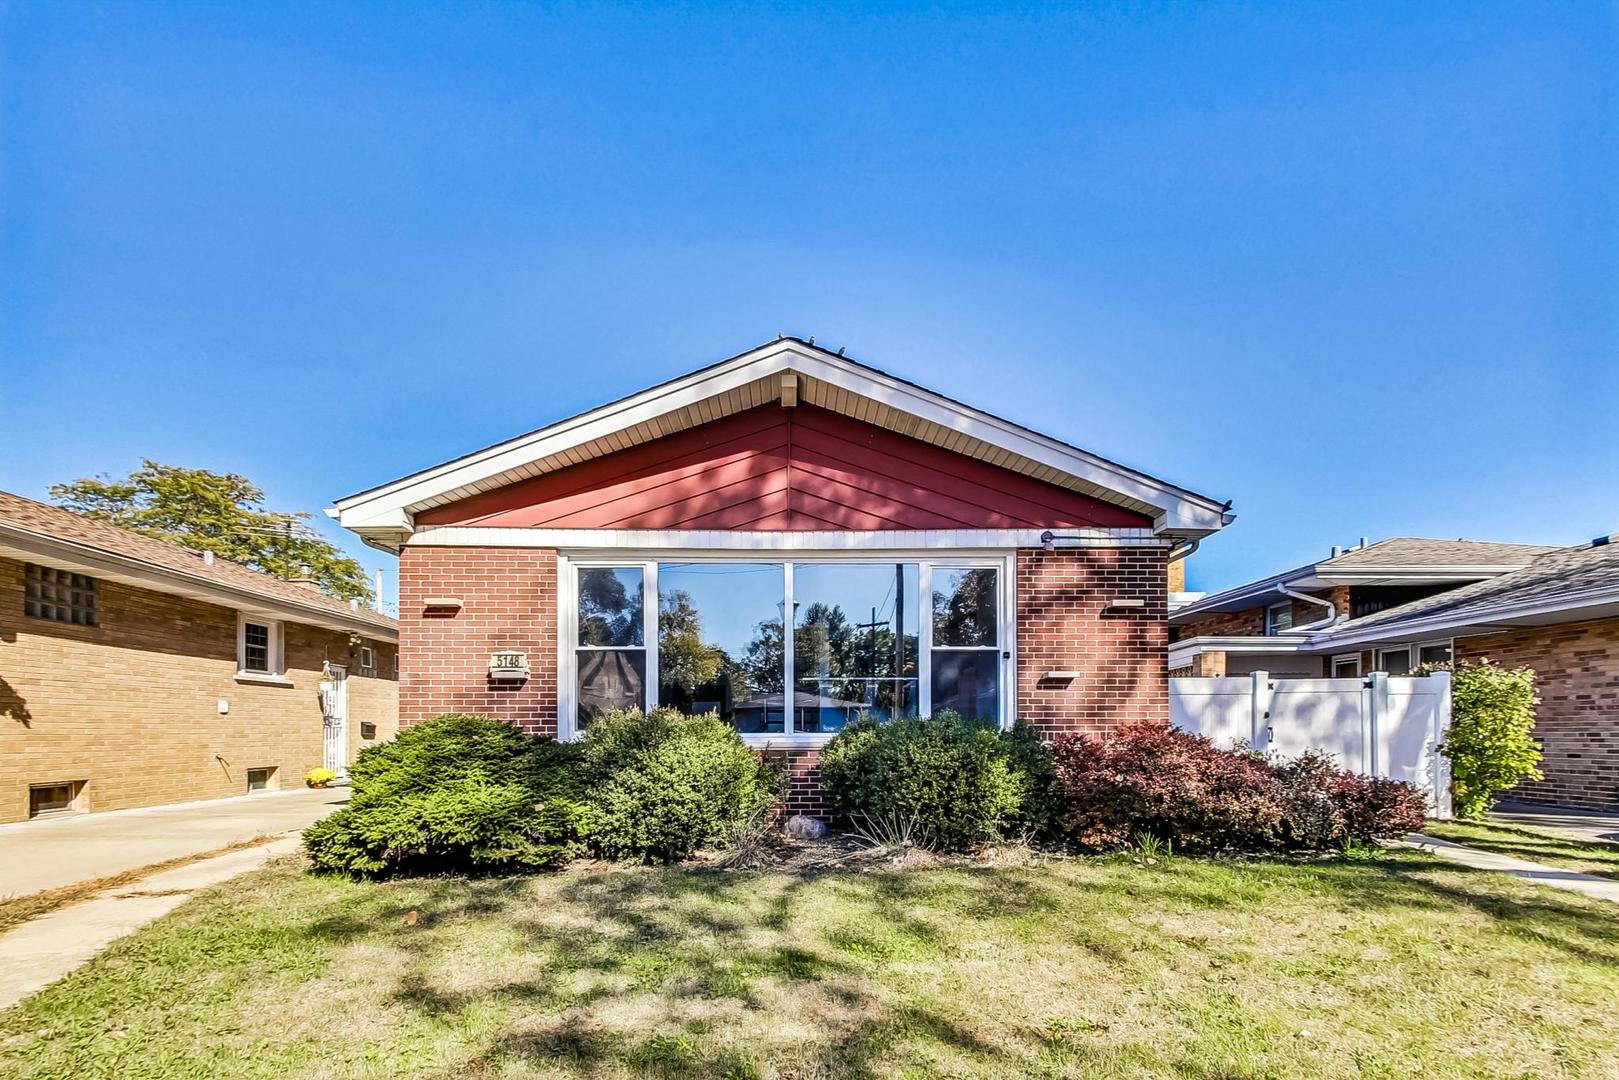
40,855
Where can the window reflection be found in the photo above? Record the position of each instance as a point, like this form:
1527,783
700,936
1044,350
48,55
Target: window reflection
854,642
720,642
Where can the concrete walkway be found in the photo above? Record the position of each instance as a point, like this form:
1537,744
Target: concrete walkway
1589,884
49,854
40,951
1591,825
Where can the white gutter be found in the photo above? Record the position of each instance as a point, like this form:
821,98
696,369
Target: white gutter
1319,624
1501,618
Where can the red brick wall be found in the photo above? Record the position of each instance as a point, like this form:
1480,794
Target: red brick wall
1577,720
1063,625
1250,622
509,601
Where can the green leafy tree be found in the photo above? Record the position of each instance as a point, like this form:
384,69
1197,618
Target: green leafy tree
1490,743
684,660
219,512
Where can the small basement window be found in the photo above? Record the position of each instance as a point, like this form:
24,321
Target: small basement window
260,779
48,800
59,595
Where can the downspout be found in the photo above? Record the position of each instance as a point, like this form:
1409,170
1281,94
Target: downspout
1320,624
1183,549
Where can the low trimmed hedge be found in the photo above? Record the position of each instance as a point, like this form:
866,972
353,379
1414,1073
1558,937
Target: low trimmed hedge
953,783
1152,780
663,784
455,794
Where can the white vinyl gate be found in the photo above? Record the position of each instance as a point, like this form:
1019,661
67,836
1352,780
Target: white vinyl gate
1377,725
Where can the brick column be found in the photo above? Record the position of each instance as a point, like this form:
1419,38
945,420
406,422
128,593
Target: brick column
1119,657
509,601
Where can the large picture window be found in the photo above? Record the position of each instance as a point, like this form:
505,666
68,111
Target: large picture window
854,642
720,642
888,638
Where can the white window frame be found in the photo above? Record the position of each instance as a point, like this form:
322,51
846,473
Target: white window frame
368,660
1416,649
277,656
1345,658
570,563
1270,627
1410,651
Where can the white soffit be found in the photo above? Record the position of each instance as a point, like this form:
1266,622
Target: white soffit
751,380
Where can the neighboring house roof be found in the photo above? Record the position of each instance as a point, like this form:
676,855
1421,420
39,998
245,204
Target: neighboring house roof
1567,585
1419,551
49,535
787,370
1399,560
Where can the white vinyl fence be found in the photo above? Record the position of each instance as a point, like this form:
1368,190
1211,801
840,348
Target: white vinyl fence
1377,725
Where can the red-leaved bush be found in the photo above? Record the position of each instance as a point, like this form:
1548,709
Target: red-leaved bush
1150,779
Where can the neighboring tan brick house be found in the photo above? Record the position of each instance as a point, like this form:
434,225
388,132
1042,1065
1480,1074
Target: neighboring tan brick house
1264,625
134,671
1558,614
922,555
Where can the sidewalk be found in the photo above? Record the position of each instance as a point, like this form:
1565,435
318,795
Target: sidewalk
42,950
51,854
1589,884
1590,825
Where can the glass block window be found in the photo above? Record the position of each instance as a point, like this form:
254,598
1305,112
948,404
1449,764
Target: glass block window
59,595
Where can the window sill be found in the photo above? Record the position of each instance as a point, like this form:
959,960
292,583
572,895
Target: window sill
262,678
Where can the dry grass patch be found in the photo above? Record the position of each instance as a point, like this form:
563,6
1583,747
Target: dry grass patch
1396,965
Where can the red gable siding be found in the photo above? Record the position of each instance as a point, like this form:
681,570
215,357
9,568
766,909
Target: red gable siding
773,468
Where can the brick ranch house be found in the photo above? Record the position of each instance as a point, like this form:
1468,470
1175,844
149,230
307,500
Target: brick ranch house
1555,610
787,537
134,671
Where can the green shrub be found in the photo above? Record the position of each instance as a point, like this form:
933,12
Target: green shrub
953,782
455,794
1042,815
1490,743
663,784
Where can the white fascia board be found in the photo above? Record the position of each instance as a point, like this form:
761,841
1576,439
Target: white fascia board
1182,652
1241,594
1501,618
1179,510
698,540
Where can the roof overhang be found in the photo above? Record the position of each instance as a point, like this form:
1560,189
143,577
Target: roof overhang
45,550
1182,652
385,516
1318,576
1582,606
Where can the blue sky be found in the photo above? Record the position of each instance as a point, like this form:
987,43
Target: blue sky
1351,266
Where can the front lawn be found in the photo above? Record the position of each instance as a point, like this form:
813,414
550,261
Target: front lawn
1394,966
1567,853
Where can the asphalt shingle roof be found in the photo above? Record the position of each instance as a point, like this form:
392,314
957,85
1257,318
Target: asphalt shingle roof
1419,551
54,522
1565,572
